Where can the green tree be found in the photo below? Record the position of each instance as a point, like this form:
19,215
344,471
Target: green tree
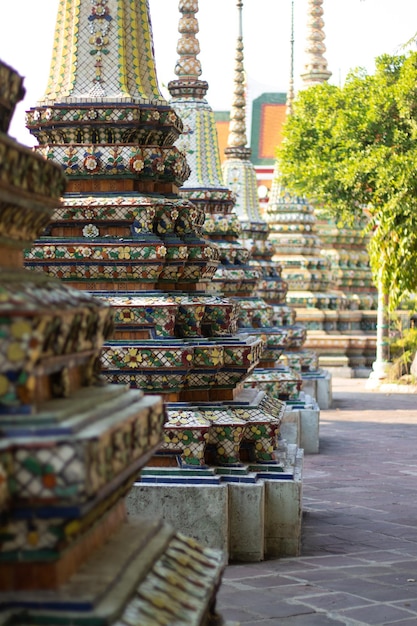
354,149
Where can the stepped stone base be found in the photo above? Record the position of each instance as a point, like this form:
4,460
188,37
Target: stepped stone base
126,580
249,521
283,510
344,355
319,387
301,424
290,427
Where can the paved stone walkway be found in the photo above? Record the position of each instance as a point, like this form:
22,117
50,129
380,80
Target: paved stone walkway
359,553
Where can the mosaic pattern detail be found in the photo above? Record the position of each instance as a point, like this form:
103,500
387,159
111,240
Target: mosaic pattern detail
96,251
116,356
37,537
12,91
76,469
156,367
169,595
240,176
128,260
99,26
280,383
80,124
135,216
169,315
301,361
20,169
108,56
146,163
223,429
199,143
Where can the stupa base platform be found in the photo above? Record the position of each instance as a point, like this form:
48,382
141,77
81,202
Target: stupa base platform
318,385
251,512
145,574
339,367
301,423
344,355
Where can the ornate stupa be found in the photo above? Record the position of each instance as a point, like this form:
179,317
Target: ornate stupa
267,305
71,445
233,502
320,267
344,247
205,187
125,233
236,275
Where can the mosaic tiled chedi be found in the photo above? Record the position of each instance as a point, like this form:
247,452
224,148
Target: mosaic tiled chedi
70,444
221,462
325,265
124,233
265,308
235,275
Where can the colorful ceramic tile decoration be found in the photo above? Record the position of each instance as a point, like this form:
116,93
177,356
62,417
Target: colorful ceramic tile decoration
71,444
346,249
328,276
222,435
125,234
264,309
241,270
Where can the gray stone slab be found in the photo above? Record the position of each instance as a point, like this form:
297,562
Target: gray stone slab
283,512
201,512
247,521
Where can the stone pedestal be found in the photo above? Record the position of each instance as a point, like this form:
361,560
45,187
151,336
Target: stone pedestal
283,512
310,425
319,386
200,512
247,522
304,416
290,427
249,516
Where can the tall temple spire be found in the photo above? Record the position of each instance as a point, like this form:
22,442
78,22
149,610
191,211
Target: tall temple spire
238,172
236,143
291,93
188,67
315,68
199,140
103,51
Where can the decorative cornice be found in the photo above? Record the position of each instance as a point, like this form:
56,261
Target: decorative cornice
11,92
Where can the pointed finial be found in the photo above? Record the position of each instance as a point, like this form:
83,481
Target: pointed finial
236,143
315,69
188,67
291,94
240,9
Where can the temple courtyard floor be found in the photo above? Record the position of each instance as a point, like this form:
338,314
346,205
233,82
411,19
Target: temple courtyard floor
358,563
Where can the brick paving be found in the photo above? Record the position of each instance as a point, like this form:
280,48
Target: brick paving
359,550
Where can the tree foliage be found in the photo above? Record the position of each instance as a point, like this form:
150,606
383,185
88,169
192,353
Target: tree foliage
354,149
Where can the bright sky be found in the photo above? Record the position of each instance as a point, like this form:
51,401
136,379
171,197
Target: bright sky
356,32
